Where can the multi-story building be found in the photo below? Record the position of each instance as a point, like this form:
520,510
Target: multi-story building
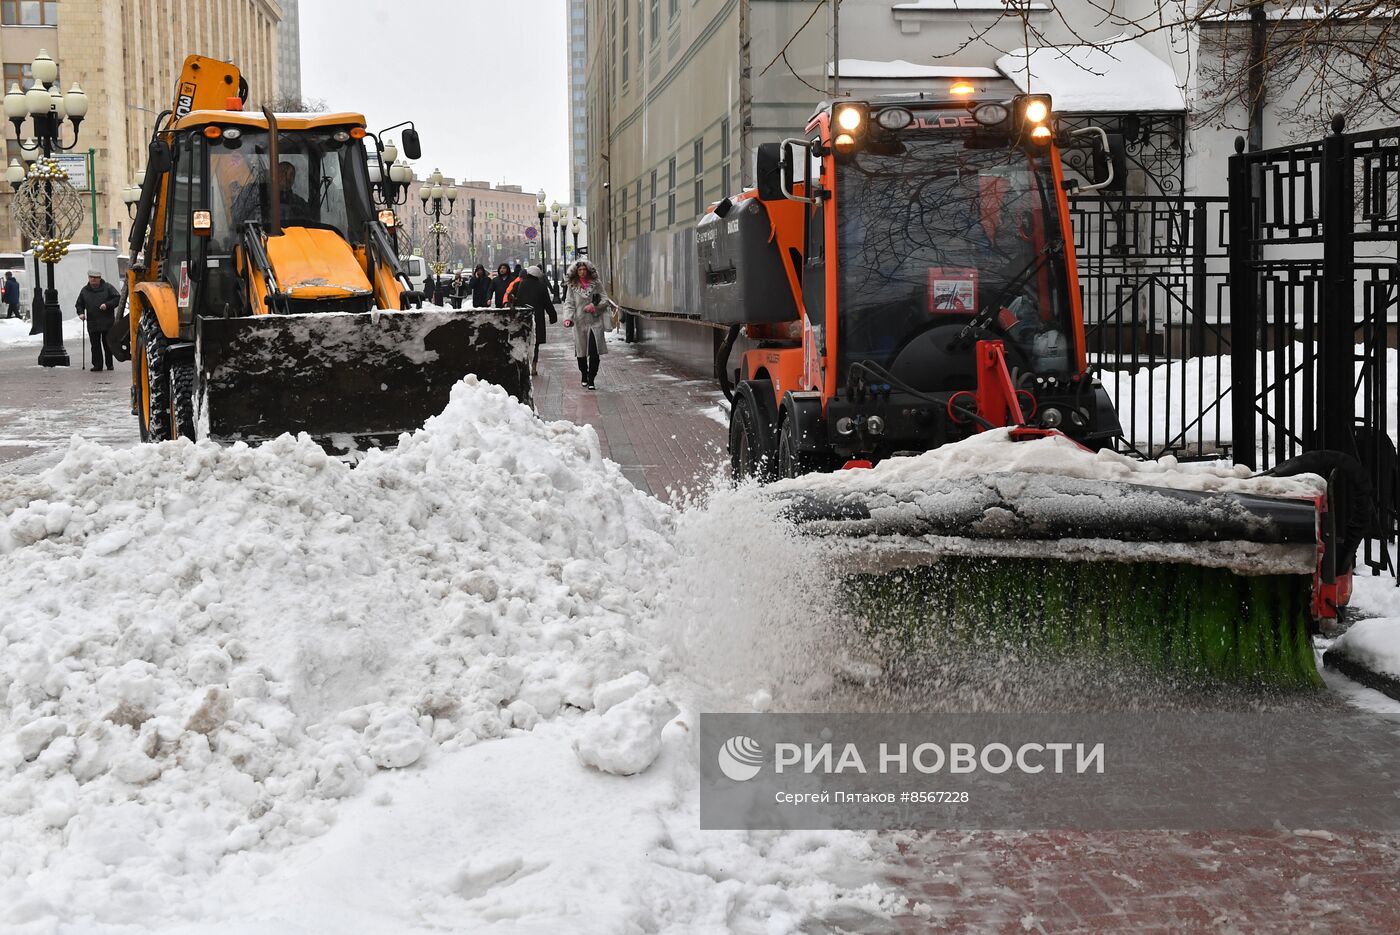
127,54
289,52
578,103
488,225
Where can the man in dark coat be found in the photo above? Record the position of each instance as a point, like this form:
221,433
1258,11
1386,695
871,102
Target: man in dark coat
97,305
11,295
504,277
531,292
481,287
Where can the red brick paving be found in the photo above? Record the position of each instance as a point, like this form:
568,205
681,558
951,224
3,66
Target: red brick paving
1268,882
648,415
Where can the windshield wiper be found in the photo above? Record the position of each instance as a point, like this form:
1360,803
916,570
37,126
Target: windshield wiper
989,311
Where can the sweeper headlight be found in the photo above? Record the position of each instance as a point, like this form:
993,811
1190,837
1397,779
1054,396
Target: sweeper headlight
1034,118
851,117
894,118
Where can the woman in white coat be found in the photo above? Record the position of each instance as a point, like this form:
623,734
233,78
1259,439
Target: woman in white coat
588,310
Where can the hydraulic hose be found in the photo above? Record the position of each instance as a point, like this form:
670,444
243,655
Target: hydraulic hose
722,361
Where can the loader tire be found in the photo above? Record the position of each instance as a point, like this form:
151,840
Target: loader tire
792,461
154,411
750,448
182,400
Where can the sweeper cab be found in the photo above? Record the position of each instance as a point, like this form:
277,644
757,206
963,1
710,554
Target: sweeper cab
267,294
903,276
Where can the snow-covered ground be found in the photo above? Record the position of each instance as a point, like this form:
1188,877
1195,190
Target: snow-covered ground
258,690
1187,402
14,332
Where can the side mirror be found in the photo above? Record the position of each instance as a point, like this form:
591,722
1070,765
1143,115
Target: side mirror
1109,163
412,149
768,171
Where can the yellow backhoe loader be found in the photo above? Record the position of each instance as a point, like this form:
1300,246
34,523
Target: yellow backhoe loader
266,293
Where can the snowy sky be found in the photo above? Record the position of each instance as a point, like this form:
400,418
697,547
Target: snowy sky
485,81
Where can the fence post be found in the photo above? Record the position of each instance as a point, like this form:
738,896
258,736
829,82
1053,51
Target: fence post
1336,403
1199,233
1243,313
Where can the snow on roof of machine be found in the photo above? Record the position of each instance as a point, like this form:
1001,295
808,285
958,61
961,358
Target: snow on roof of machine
865,68
1117,75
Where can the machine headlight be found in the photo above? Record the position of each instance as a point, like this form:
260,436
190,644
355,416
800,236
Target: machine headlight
1037,110
894,118
232,133
875,425
844,426
990,115
1041,134
850,117
1052,418
386,217
845,143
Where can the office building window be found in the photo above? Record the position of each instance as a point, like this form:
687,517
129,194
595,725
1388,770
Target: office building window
22,75
675,8
653,184
625,33
28,13
655,21
671,196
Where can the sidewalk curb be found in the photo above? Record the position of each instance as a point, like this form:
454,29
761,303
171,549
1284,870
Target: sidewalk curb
1380,681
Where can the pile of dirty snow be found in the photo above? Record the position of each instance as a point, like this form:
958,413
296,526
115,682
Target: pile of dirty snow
203,648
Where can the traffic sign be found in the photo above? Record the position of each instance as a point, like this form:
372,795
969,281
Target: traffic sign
531,233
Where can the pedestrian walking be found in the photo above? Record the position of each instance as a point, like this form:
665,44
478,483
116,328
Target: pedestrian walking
10,294
588,310
481,287
457,291
97,305
531,292
504,277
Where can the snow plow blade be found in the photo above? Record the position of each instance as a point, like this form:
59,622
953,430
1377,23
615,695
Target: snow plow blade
350,380
1215,584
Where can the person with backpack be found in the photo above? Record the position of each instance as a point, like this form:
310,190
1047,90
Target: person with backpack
530,291
588,310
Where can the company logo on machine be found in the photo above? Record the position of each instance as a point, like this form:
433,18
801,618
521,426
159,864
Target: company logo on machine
740,758
946,122
184,101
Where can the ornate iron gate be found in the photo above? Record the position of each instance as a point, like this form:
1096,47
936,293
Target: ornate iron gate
1261,325
1315,235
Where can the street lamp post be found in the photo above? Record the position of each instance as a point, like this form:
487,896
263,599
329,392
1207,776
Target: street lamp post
544,253
435,192
46,207
573,229
556,213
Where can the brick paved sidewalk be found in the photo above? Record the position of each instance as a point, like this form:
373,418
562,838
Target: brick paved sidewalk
650,417
41,408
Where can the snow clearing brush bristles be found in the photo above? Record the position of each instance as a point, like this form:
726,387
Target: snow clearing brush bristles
1224,585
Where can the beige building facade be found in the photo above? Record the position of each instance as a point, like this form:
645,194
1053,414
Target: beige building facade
495,234
127,54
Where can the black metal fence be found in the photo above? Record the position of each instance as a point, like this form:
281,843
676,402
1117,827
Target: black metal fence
1261,325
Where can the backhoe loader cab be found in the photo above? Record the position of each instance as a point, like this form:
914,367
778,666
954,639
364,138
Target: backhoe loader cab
267,294
906,231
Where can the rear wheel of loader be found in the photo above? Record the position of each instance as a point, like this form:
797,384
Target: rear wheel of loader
751,455
792,461
182,400
154,382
